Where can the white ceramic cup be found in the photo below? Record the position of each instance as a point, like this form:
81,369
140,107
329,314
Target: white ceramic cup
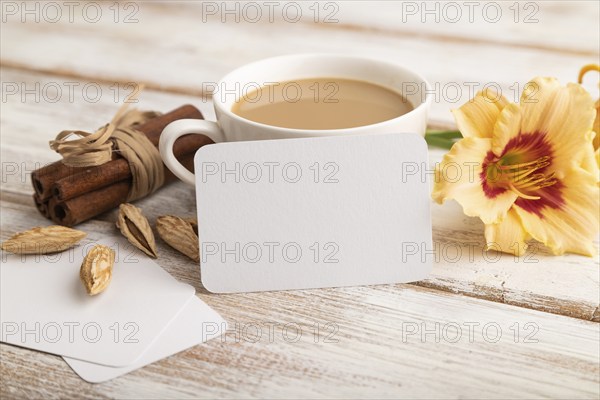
231,127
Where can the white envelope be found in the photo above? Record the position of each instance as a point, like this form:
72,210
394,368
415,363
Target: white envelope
195,324
314,212
44,306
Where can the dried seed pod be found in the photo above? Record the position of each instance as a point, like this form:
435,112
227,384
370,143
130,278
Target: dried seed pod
135,227
193,222
43,240
179,234
96,269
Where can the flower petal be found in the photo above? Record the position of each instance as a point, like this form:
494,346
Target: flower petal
508,126
564,114
597,126
507,236
571,227
590,161
458,177
477,117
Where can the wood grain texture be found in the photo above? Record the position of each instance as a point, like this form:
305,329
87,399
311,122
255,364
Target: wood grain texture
196,57
372,343
371,322
543,25
538,280
374,353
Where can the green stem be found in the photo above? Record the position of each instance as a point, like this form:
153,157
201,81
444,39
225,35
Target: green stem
442,139
446,134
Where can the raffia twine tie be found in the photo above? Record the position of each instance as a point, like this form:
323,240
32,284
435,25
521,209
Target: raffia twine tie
118,136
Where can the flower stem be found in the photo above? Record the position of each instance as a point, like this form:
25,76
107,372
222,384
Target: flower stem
442,139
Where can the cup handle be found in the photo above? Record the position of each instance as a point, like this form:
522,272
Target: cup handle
179,128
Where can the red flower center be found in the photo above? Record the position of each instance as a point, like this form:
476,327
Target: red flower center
524,167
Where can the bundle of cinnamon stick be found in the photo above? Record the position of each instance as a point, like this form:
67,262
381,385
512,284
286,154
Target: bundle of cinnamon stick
71,195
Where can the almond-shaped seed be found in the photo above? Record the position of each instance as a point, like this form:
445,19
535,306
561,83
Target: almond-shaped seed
96,269
179,234
193,222
43,240
135,227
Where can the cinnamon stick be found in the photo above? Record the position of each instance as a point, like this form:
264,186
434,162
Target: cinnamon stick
94,178
71,195
88,205
44,178
42,206
91,179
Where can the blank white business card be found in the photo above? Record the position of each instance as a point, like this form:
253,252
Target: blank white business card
314,212
195,324
44,305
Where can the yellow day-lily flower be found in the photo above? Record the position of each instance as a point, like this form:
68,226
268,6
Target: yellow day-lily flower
525,168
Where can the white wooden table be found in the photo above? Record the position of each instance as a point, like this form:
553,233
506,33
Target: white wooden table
481,326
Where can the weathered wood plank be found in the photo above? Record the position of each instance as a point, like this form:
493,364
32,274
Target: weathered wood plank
541,25
388,341
173,50
533,280
181,53
538,281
